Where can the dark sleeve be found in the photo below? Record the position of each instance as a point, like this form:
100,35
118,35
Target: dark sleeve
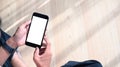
88,63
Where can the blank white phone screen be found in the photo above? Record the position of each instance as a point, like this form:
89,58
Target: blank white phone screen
36,30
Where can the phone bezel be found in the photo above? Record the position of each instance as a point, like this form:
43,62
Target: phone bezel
41,16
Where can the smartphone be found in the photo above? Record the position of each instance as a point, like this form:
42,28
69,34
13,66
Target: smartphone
36,30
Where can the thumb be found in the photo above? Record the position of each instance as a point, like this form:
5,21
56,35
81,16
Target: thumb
36,52
25,24
36,55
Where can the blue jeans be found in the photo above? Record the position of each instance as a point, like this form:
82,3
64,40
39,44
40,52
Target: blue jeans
5,36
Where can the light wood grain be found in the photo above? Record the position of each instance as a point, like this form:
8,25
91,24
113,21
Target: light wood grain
78,30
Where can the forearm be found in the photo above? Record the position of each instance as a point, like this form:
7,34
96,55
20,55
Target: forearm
17,61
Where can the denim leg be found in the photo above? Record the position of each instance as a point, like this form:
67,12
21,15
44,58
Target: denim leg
5,36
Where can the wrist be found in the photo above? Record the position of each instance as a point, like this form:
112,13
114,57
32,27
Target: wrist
11,42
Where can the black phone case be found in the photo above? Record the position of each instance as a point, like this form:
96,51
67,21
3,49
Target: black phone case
42,16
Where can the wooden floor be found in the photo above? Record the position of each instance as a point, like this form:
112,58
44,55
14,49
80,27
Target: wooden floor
78,30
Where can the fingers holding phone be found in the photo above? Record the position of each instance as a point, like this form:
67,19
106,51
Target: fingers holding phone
42,56
37,30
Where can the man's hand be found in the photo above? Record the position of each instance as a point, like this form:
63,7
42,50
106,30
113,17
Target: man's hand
20,35
42,56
